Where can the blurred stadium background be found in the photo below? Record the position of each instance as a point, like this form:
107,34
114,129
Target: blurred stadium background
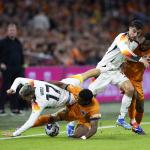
64,37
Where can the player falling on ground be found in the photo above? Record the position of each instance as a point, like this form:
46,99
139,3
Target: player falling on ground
134,71
85,112
109,67
43,94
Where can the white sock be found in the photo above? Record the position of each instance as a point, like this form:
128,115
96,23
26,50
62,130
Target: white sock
126,101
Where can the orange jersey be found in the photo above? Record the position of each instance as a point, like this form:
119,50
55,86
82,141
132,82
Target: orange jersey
135,70
83,114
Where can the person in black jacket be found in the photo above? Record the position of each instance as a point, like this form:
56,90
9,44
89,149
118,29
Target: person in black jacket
11,66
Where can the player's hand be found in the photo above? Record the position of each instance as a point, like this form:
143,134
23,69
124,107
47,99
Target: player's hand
10,91
7,134
144,61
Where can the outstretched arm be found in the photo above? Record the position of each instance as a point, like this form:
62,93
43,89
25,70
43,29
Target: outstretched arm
17,82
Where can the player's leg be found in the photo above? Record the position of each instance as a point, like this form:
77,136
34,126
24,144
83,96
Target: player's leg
132,110
124,83
90,73
42,120
139,102
51,118
139,109
83,76
100,83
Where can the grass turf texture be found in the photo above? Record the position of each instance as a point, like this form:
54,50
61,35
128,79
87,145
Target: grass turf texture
105,139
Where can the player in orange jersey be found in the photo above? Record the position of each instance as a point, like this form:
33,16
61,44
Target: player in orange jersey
85,112
134,71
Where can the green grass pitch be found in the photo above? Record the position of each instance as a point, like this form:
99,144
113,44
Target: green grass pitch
109,138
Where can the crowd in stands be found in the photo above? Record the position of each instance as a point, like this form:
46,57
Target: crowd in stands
70,32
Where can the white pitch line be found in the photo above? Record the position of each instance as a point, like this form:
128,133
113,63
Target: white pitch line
42,134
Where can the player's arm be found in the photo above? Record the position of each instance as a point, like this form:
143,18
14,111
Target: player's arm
93,129
17,82
122,43
29,123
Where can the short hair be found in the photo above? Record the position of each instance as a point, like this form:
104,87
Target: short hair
26,90
86,97
147,36
138,24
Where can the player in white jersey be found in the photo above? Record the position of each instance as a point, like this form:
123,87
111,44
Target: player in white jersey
42,94
109,68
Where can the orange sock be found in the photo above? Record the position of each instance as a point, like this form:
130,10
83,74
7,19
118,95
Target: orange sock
138,117
44,119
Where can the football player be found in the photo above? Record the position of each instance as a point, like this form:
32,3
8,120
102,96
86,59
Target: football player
134,71
110,65
41,94
85,112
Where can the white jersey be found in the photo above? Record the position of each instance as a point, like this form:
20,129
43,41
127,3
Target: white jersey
120,49
46,95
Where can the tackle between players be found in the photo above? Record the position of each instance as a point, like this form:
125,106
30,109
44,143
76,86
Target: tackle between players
85,112
43,94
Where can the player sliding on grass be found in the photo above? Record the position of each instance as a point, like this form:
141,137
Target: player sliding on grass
109,67
42,95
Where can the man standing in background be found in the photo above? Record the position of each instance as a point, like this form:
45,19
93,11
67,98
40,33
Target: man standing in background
11,66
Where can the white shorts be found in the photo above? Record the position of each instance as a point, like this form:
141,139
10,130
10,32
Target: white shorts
106,78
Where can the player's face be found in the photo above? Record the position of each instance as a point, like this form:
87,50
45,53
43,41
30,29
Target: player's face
134,33
146,45
12,31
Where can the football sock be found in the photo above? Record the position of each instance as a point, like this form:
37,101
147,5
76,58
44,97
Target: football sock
131,111
138,117
126,101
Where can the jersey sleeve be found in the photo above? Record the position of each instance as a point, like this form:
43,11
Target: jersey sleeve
122,43
36,111
22,81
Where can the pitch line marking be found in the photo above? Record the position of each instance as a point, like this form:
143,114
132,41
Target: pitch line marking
42,134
